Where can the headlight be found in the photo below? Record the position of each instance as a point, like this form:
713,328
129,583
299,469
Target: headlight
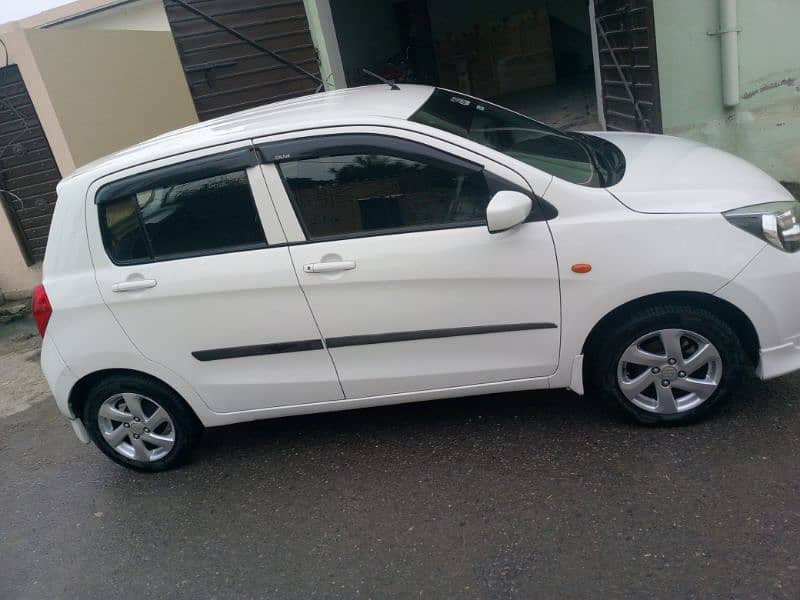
777,223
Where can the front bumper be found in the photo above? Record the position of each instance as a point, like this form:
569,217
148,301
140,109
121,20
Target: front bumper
780,360
767,291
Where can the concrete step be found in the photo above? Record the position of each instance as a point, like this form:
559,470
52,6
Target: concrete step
12,311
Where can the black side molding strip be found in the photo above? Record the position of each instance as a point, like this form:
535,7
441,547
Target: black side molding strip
259,350
362,340
427,334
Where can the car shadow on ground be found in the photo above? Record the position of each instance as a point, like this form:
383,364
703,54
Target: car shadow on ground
554,415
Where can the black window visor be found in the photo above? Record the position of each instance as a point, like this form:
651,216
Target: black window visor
201,168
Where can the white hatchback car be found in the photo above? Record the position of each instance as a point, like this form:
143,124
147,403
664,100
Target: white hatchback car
373,246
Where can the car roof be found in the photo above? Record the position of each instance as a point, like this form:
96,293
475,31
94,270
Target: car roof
360,105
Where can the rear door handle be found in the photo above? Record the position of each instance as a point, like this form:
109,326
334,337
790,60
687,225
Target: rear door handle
330,267
133,285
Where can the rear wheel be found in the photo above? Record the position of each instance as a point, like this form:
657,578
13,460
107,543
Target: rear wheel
668,364
140,423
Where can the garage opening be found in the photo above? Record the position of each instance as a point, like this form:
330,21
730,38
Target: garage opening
534,56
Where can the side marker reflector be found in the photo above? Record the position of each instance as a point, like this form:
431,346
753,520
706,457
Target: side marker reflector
581,268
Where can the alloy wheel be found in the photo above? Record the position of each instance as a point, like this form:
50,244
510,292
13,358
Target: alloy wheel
136,427
669,371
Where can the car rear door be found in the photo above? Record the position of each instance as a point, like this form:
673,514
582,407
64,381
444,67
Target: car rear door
410,290
190,258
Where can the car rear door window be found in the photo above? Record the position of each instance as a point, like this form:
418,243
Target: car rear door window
205,215
350,194
202,216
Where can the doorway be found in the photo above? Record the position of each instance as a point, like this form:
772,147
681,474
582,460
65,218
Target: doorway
534,56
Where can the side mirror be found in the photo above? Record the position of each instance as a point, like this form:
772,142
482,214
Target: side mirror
507,209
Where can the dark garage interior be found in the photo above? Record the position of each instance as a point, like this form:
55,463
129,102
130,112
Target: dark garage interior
531,55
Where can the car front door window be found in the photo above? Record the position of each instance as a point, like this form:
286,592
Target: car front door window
373,192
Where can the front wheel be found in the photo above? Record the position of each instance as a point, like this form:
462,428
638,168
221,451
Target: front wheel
668,364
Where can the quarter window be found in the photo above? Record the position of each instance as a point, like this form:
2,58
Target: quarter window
351,194
203,216
122,232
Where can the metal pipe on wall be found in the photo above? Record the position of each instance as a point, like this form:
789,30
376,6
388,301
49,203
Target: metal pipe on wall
729,35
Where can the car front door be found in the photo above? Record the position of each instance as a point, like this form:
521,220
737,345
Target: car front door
191,260
410,290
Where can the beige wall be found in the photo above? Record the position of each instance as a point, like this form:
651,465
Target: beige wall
15,275
111,89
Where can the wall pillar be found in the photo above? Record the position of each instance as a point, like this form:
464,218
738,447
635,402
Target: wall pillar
323,33
15,274
20,52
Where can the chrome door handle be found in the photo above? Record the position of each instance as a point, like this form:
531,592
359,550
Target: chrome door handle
133,285
330,267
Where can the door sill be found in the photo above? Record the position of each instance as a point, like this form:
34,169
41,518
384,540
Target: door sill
213,419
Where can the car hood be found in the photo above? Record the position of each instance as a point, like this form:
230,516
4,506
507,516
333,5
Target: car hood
665,174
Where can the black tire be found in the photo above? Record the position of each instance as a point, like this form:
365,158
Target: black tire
617,336
187,427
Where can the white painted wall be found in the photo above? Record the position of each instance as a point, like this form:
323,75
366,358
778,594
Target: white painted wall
141,15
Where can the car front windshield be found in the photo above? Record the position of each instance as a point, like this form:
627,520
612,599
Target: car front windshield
511,133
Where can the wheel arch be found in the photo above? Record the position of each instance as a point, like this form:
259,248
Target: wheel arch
80,391
742,325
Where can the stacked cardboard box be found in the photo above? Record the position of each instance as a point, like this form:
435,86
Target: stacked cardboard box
500,57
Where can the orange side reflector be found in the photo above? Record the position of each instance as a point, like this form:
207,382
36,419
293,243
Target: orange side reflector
581,268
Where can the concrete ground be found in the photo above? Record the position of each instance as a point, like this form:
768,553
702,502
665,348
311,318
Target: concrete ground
21,382
510,496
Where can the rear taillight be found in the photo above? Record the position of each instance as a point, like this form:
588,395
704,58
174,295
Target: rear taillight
41,309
